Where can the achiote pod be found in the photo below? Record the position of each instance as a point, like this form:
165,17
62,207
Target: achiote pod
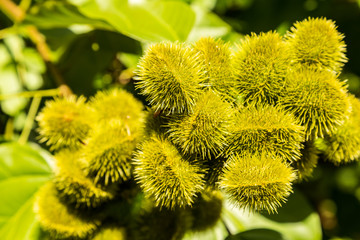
316,42
110,233
265,128
317,99
64,122
165,176
117,104
202,132
215,60
109,151
260,67
257,181
343,145
56,217
73,184
169,76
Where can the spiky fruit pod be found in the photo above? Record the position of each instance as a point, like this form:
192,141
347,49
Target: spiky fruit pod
307,163
215,58
260,66
316,42
120,105
206,210
110,233
317,99
169,76
265,128
257,182
203,131
56,218
64,122
73,184
161,224
109,151
343,145
165,176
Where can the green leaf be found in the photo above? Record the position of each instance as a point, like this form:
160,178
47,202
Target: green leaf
295,220
23,169
177,15
9,83
151,21
56,14
92,52
257,234
208,24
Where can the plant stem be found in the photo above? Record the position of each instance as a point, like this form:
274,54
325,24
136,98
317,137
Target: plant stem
12,10
9,129
25,4
17,14
30,94
39,40
29,120
226,227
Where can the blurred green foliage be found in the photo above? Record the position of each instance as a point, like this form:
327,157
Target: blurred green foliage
96,44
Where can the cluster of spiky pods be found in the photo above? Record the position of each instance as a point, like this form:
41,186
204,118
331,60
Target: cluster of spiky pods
245,123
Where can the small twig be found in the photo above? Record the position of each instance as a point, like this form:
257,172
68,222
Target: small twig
9,129
39,40
30,94
226,227
157,113
29,120
12,10
25,4
17,14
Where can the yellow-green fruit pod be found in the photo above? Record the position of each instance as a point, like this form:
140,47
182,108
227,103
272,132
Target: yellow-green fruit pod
316,42
206,210
73,184
317,99
202,132
265,128
165,176
109,151
307,163
257,182
110,233
117,104
260,66
215,58
56,218
343,145
169,76
64,122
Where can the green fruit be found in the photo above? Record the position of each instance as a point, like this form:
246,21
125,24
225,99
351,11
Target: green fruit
169,76
316,42
165,176
257,182
56,217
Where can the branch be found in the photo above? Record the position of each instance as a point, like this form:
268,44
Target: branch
12,10
39,40
17,14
